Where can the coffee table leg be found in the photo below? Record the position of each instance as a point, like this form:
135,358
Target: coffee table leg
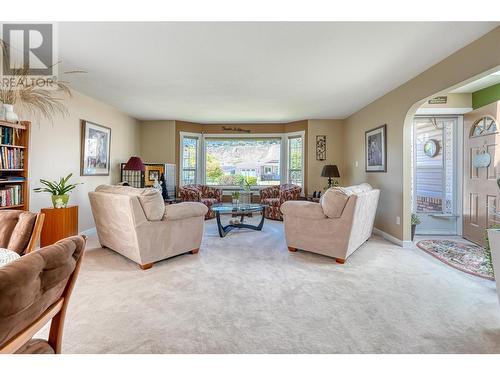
223,230
219,225
261,224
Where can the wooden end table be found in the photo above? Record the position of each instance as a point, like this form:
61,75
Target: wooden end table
59,223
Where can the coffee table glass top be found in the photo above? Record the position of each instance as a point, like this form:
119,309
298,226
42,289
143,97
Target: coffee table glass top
228,208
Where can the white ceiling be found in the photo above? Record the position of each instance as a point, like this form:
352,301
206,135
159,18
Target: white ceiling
253,72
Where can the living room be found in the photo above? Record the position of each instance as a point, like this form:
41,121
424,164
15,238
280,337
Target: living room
241,188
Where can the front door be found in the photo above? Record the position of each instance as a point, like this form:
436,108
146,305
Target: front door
435,175
480,185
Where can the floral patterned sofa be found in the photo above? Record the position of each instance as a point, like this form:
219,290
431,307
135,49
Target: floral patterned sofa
201,193
275,196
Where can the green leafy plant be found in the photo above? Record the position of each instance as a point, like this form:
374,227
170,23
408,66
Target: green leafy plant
415,219
487,253
248,182
57,188
235,195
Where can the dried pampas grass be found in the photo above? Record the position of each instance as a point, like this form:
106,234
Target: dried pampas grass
31,99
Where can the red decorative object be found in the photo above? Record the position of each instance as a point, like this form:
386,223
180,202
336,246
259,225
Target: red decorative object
274,196
134,164
202,193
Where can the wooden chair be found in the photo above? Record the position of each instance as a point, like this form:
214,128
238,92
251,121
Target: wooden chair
35,235
35,274
20,230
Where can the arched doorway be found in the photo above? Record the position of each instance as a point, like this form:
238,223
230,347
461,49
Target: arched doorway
408,156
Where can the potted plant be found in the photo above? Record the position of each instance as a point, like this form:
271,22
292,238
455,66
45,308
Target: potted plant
415,220
59,190
235,195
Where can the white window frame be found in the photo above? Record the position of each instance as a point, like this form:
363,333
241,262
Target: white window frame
199,137
287,137
201,154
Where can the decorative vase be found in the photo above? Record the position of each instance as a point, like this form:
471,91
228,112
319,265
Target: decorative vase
9,113
413,227
60,201
494,240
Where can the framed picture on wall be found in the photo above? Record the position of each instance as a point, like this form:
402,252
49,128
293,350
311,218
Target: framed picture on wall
321,147
153,174
95,149
376,150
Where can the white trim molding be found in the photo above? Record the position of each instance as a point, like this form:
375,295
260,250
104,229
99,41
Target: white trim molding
394,240
442,111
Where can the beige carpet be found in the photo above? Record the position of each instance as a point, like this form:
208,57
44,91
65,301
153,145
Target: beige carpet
246,294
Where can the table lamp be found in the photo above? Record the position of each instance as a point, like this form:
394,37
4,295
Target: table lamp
330,171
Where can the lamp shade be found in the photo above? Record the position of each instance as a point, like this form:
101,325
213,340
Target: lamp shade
134,164
330,171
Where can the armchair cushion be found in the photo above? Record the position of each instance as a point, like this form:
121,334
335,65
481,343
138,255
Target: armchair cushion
16,228
333,202
270,192
150,199
36,346
152,203
184,210
303,209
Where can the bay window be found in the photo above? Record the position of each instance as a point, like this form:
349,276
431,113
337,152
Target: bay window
235,160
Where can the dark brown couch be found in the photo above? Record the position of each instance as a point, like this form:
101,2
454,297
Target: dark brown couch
35,289
19,230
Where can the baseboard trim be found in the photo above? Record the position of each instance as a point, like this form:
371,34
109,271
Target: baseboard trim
394,240
89,232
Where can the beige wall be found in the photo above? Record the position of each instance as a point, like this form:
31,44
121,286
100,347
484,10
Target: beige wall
392,109
157,141
55,151
334,131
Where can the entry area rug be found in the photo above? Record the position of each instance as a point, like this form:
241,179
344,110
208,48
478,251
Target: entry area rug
466,257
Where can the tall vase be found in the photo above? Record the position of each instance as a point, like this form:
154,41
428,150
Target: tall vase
9,113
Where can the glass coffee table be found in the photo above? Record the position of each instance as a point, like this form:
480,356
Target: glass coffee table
236,210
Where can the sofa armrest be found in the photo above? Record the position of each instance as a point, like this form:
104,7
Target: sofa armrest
303,209
184,210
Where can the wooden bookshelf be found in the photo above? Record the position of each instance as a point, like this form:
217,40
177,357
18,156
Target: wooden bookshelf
20,142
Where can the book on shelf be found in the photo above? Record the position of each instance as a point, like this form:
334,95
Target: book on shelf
7,135
11,195
11,158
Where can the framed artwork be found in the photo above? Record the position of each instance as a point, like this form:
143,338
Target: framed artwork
95,149
376,150
321,147
154,174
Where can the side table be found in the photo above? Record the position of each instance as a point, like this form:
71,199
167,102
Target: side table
59,223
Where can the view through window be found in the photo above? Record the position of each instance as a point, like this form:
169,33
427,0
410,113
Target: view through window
238,161
189,160
295,162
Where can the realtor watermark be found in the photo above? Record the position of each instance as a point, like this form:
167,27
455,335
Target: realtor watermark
28,55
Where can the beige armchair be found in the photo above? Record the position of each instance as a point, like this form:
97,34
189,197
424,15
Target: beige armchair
336,226
136,223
